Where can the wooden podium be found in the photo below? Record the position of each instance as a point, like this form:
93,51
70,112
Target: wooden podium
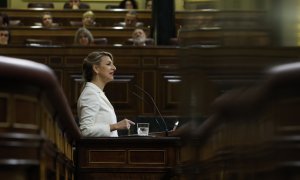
131,157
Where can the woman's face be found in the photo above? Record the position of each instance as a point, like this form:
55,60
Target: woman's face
149,5
106,69
128,5
74,4
84,39
4,37
88,21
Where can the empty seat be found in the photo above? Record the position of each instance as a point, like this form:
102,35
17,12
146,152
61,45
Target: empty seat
110,6
16,22
76,23
40,24
44,5
100,41
38,42
148,42
174,41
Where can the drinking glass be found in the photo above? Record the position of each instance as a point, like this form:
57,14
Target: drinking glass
143,129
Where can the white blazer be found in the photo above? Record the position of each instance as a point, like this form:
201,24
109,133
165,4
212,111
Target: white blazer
95,112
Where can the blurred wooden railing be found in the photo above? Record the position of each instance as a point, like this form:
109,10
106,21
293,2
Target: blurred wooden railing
37,127
252,132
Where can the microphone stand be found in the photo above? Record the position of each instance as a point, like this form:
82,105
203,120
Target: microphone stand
143,100
156,107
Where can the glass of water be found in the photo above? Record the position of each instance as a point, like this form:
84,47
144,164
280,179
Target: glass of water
143,129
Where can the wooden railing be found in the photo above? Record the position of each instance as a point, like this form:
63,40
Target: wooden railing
65,35
37,127
250,131
250,123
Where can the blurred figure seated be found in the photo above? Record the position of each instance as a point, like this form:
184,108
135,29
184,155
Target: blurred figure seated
88,19
148,4
83,37
128,4
76,4
130,20
139,38
4,37
47,20
4,20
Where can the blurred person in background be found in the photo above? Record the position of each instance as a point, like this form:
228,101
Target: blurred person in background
148,4
139,37
130,20
76,4
83,37
47,20
88,19
128,4
4,20
4,37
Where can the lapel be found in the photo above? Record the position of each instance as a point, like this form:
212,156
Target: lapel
100,93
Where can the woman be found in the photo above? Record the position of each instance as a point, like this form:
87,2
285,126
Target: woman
128,4
88,19
96,114
83,37
76,4
148,4
47,20
4,37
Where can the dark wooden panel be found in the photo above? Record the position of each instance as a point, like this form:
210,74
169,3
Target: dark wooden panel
72,87
169,94
149,85
27,111
107,157
158,157
135,65
3,108
133,157
119,93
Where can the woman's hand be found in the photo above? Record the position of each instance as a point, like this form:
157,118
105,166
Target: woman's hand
123,124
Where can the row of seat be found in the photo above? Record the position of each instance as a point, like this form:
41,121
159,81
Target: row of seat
50,5
105,18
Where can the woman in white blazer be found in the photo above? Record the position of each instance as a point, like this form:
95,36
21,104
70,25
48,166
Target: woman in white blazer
96,114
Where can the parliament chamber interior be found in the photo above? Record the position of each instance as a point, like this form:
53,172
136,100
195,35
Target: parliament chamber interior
217,81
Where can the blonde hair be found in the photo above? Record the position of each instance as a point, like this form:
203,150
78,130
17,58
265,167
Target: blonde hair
88,62
88,14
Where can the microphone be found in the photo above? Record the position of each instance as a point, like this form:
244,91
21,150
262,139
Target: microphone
144,100
155,106
175,125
